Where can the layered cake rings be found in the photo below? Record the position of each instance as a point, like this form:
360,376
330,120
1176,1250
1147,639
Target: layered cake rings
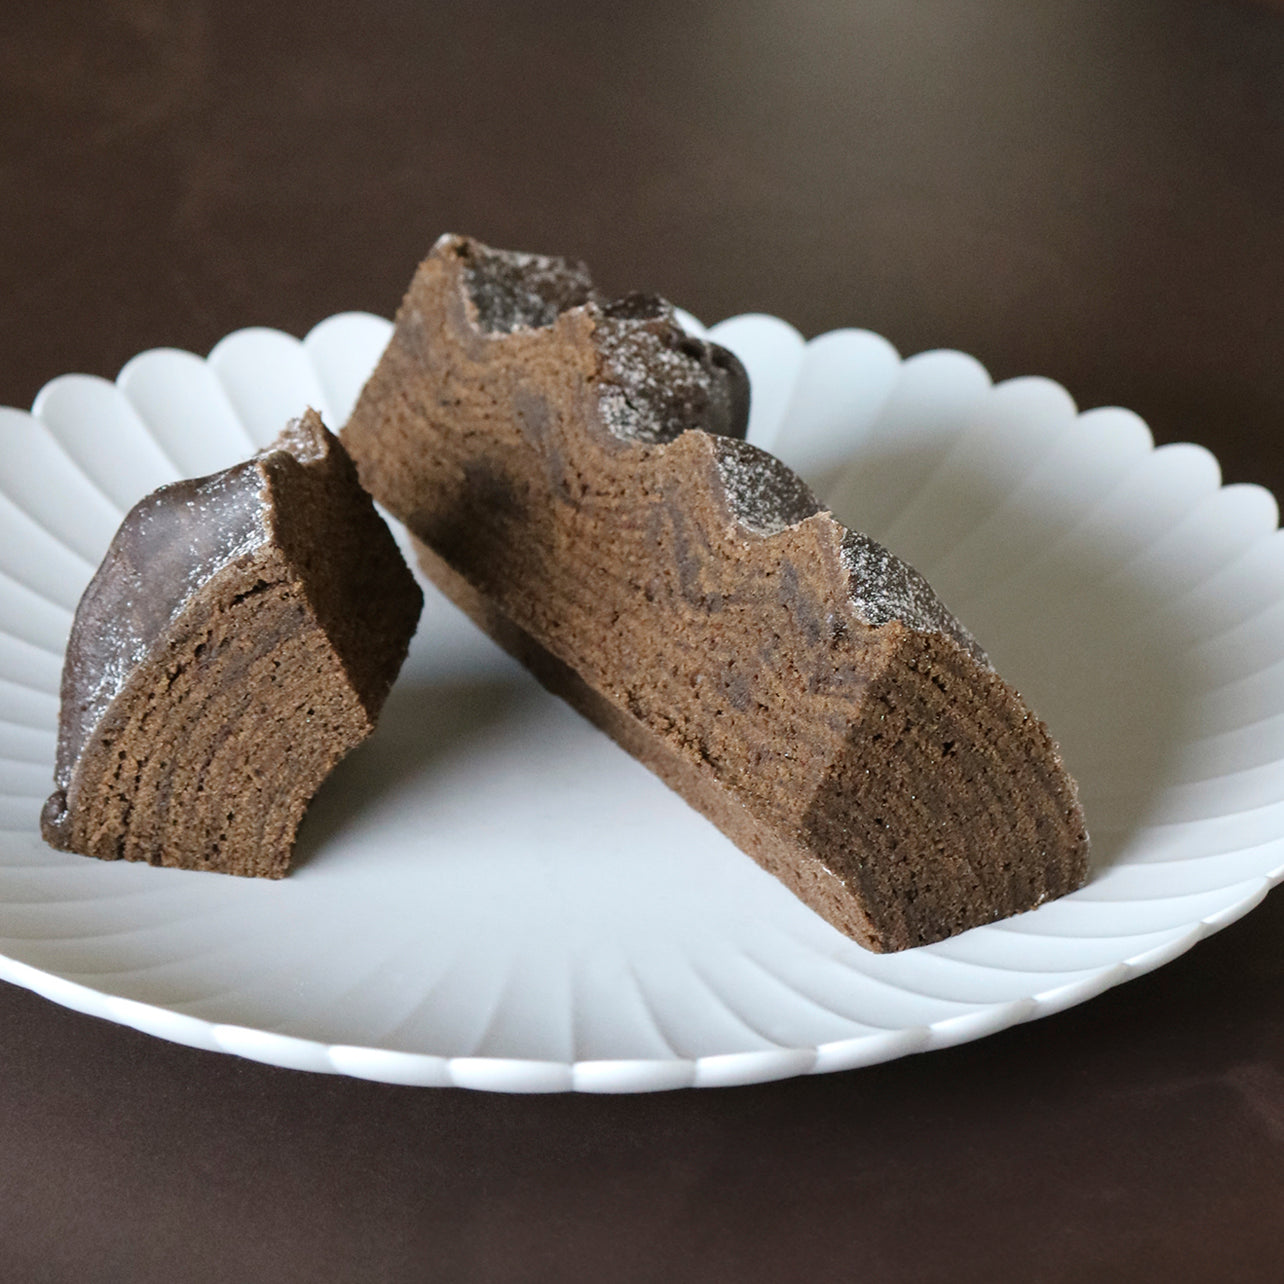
239,638
574,471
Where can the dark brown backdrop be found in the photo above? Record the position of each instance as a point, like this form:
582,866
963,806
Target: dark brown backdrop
1088,190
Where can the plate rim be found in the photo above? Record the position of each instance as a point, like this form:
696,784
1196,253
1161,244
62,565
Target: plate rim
622,1075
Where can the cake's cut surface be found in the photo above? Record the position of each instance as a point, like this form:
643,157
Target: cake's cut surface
238,639
573,470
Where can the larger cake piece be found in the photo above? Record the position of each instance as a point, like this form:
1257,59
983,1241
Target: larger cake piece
574,469
239,638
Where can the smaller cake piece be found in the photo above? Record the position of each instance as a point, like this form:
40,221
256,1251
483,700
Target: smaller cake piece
238,639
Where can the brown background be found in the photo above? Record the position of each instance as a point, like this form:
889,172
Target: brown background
1088,190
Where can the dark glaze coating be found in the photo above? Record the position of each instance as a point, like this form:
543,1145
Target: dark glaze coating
170,543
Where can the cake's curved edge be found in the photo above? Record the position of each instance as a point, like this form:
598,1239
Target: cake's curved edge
156,556
944,739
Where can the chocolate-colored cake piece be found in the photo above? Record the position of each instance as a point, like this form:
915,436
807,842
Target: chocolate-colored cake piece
573,469
239,638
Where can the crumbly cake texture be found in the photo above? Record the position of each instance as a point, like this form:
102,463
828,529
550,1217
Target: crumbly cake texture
572,470
238,639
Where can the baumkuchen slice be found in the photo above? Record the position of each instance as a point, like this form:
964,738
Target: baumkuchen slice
573,469
239,638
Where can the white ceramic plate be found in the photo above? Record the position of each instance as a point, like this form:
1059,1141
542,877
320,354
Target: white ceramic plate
490,894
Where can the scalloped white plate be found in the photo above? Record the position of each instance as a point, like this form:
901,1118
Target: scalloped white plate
490,894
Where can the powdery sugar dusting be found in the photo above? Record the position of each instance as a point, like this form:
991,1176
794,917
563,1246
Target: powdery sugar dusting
766,497
764,494
658,381
883,588
513,291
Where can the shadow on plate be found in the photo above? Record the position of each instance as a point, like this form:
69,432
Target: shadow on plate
423,724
